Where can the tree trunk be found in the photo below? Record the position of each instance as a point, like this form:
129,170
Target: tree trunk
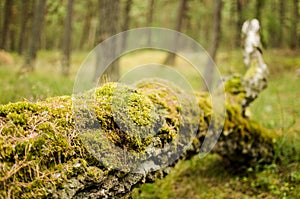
87,25
92,33
6,23
209,69
12,29
149,20
126,21
183,8
67,39
281,21
24,19
239,22
294,31
258,10
85,30
150,13
109,25
36,29
1,17
12,33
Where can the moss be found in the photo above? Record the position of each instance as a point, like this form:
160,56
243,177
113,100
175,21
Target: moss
235,90
35,138
126,115
42,152
246,141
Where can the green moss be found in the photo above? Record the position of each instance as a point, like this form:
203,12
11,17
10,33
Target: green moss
251,143
41,151
120,110
235,90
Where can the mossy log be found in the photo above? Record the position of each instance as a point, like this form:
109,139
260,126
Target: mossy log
42,154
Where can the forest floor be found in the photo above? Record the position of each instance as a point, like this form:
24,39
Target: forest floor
277,108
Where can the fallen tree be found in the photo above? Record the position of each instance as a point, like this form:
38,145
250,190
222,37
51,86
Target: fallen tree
43,154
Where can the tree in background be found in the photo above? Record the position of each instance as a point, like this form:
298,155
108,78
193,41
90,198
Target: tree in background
36,29
126,20
109,25
67,39
281,21
259,6
149,20
19,32
294,30
209,69
6,24
88,30
183,9
13,28
23,20
239,22
150,13
258,9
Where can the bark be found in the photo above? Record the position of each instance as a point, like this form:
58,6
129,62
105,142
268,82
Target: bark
6,24
67,39
182,10
109,25
255,79
35,36
209,69
24,19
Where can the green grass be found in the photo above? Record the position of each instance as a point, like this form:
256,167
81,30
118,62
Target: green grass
277,108
208,178
45,81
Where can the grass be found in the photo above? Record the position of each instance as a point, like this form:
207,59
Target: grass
277,108
208,178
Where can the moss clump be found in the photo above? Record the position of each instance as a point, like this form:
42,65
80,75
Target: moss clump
135,120
235,90
244,142
126,115
38,141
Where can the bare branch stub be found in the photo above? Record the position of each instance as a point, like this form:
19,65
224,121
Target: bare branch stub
255,79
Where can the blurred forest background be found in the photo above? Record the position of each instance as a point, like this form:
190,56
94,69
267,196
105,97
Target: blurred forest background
43,43
28,26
